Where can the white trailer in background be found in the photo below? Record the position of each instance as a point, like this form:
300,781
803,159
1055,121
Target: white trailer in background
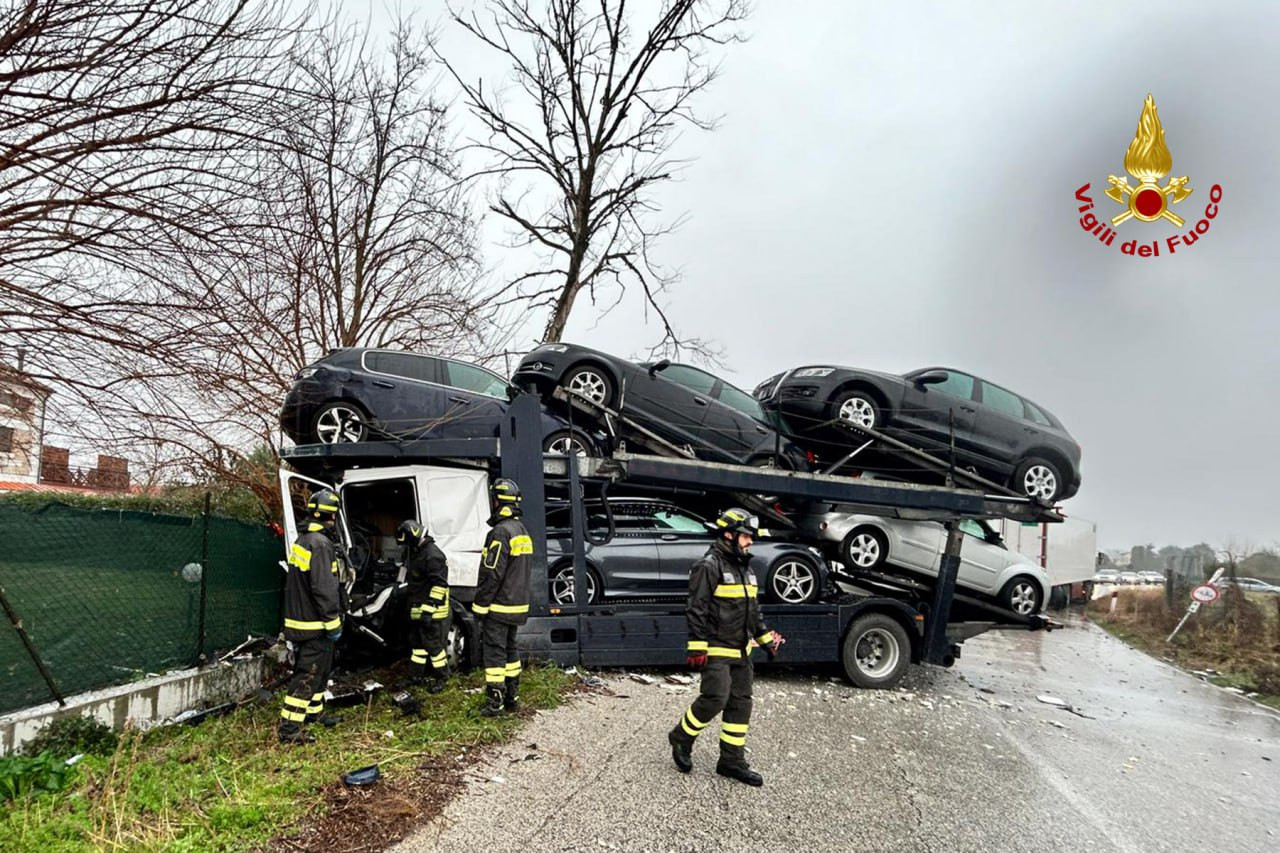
1068,552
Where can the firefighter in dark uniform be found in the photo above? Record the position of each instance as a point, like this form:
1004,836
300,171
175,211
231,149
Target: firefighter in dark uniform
723,618
502,597
427,572
312,618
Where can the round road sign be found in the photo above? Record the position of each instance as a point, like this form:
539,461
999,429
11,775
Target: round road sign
1204,593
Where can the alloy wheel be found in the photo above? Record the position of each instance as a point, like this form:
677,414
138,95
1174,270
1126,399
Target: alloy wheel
340,423
591,385
562,586
864,550
1040,482
793,582
857,410
565,444
1023,598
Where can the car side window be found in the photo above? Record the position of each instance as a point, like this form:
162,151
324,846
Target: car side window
1034,414
957,385
973,528
404,364
741,401
468,377
673,519
690,377
1007,402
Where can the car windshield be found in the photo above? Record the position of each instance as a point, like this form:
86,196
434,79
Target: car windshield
676,520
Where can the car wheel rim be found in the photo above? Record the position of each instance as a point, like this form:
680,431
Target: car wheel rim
562,586
1022,599
457,646
793,582
338,424
566,444
858,411
876,652
589,384
1040,482
864,550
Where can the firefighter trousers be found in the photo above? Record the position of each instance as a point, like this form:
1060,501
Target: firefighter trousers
726,688
499,653
304,698
429,641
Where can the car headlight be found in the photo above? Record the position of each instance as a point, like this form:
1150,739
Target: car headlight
307,372
554,347
814,372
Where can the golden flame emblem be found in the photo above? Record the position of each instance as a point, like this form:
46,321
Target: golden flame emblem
1148,159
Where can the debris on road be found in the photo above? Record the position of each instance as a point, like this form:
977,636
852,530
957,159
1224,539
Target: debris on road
676,678
643,679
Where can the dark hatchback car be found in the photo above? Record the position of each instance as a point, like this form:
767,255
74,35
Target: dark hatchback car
654,545
682,404
1001,435
356,394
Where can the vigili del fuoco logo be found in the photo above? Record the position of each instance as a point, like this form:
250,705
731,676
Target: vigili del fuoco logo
1148,160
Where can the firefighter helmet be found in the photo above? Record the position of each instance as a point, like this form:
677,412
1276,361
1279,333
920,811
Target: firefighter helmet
505,491
323,503
410,532
737,520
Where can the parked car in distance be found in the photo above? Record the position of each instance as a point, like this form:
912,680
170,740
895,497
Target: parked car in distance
682,404
1130,578
653,547
1151,578
1107,576
1001,435
874,543
1247,584
355,394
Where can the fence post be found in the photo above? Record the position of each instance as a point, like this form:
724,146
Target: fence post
31,649
204,578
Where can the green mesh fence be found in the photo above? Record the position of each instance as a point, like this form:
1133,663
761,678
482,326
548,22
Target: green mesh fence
109,596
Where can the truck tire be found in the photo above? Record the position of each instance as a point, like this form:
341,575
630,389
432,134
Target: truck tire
876,651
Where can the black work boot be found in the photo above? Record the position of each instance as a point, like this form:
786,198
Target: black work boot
738,769
417,674
493,702
511,696
294,733
681,749
437,681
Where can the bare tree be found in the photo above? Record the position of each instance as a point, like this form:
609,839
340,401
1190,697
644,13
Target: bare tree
352,230
600,101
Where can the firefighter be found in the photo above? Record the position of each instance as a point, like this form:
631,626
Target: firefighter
312,619
502,597
723,618
427,570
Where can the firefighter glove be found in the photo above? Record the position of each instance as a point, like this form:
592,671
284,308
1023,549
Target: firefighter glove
772,648
696,660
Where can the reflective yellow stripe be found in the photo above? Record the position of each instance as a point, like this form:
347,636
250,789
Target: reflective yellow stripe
415,612
441,613
765,639
521,545
418,656
733,740
722,652
735,728
479,609
440,660
299,625
489,556
294,716
440,592
735,590
513,669
509,608
333,624
495,674
693,721
300,557
296,702
697,645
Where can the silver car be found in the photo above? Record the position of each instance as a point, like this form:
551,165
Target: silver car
869,542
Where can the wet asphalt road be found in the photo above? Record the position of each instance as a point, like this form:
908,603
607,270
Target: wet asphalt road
957,760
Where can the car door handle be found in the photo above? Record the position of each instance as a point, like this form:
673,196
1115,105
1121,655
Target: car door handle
380,384
700,401
463,401
669,537
968,409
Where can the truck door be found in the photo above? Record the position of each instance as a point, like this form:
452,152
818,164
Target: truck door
295,490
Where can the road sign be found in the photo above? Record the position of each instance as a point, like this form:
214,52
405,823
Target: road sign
1204,593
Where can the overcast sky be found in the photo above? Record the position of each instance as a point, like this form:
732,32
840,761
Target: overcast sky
892,186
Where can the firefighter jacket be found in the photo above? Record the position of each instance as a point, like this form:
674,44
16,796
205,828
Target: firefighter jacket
312,600
503,591
428,577
722,613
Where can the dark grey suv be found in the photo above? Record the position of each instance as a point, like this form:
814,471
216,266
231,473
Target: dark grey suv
1003,436
654,545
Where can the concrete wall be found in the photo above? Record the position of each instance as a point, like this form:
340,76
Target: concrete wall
144,703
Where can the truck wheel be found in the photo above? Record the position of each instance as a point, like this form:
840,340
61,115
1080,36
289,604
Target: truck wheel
462,643
876,651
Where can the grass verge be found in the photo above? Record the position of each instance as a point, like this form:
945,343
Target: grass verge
1237,637
227,785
